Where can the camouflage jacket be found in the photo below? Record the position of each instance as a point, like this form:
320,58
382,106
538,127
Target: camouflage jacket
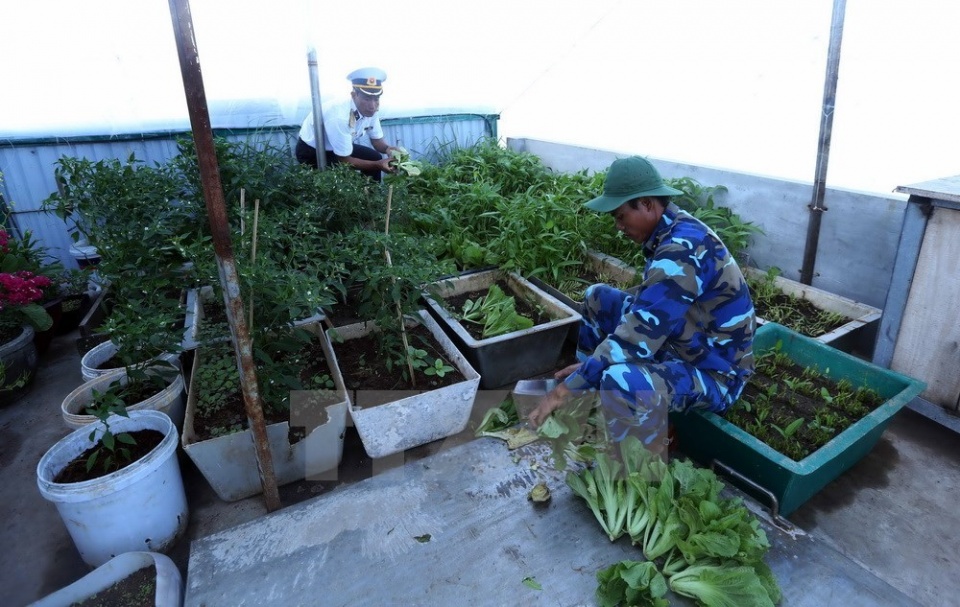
693,304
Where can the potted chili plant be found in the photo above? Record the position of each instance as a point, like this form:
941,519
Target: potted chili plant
117,486
409,384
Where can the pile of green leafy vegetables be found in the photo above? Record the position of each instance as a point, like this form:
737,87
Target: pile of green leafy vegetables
496,312
694,542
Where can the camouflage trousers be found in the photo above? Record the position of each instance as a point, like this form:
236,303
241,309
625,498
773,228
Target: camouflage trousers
637,398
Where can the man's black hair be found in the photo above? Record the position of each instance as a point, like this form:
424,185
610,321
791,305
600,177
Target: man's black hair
663,201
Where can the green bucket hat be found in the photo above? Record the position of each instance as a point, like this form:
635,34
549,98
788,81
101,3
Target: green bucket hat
629,178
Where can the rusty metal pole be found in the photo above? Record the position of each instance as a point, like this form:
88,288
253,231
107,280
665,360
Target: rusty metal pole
317,108
219,227
823,147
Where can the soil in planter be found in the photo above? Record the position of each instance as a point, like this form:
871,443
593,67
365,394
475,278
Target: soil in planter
74,308
76,470
137,391
214,324
345,312
575,287
796,410
797,313
231,415
139,589
363,367
454,304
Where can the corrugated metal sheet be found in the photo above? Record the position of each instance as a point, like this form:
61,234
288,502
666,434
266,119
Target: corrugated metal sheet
28,164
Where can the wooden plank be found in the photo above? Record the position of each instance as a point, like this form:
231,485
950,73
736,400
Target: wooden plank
945,188
928,346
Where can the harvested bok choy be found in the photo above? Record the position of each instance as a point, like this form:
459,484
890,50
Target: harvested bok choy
402,161
707,547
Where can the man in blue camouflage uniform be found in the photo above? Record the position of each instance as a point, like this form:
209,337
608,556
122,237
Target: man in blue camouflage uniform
684,340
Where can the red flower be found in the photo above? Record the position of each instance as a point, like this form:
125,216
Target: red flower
21,288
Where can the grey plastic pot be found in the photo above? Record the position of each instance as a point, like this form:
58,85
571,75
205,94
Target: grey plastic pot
506,358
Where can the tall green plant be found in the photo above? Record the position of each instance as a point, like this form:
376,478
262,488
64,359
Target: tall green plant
390,293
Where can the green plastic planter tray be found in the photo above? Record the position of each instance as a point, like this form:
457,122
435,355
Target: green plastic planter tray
709,438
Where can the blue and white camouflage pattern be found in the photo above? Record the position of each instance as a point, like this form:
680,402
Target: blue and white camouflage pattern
685,340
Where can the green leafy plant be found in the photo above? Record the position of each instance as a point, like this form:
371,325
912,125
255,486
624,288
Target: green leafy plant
635,583
400,158
696,542
13,384
496,312
111,450
798,409
285,363
421,361
575,432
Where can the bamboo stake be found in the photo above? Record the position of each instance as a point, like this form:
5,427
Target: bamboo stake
243,208
253,250
403,328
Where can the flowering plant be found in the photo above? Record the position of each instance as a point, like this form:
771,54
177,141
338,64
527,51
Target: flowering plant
20,290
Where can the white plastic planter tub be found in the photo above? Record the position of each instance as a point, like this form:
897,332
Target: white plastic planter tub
91,361
171,400
141,506
229,463
415,418
169,582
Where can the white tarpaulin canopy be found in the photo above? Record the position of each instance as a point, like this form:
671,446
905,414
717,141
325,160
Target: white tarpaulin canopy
734,84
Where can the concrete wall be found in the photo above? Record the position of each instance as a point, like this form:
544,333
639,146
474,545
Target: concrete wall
859,231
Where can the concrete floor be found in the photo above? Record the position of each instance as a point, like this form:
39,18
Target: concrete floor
894,513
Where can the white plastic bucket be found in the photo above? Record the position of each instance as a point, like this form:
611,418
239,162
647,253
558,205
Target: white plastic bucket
170,400
101,353
140,507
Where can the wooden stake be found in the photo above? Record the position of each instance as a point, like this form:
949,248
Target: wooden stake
243,208
403,328
253,249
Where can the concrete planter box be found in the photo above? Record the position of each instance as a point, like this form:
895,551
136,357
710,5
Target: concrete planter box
506,358
229,463
858,334
195,298
601,264
709,438
389,422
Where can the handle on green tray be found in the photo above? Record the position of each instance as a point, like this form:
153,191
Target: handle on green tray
774,503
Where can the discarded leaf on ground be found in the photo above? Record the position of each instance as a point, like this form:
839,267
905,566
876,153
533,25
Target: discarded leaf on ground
539,494
532,583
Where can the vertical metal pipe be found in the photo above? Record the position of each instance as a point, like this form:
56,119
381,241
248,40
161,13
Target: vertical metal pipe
219,227
317,107
823,151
